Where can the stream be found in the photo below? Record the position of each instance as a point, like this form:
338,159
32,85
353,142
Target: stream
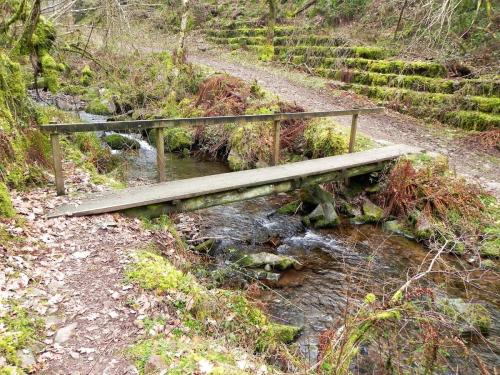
339,266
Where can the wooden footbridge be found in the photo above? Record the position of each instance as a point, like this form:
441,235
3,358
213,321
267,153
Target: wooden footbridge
195,193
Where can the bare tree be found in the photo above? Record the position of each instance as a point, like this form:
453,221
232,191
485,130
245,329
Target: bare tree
180,53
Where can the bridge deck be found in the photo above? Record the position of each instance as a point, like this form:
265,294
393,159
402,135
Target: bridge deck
201,186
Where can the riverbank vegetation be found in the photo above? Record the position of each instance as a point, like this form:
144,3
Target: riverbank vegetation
201,324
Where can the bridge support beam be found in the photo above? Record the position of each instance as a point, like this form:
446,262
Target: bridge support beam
160,155
276,143
216,199
57,160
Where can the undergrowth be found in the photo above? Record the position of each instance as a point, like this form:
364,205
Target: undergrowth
439,205
214,325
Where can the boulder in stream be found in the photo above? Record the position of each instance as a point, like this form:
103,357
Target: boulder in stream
314,195
323,216
266,260
120,142
371,213
205,247
470,317
395,227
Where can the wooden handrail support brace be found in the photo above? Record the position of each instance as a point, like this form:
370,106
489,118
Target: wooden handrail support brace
159,124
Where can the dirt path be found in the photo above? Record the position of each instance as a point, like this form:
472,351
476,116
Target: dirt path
71,272
316,94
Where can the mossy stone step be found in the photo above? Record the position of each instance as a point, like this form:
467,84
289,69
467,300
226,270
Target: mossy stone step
280,41
374,53
420,68
471,120
241,41
245,31
311,40
445,101
416,83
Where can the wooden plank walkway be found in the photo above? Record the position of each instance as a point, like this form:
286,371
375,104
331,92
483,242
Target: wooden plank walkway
203,186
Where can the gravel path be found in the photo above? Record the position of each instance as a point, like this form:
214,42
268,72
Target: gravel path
389,127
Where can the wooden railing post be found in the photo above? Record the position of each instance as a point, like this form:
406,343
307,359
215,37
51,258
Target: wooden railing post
276,143
160,154
354,128
57,159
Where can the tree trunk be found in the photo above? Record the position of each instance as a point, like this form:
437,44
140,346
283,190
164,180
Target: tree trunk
400,18
271,22
180,53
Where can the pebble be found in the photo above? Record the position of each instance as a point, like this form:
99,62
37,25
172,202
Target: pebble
65,333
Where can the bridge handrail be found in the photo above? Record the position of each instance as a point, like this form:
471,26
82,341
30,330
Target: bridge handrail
197,121
159,124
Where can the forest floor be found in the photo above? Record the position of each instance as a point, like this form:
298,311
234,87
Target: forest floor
316,94
71,272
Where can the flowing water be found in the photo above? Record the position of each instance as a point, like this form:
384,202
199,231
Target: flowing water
340,266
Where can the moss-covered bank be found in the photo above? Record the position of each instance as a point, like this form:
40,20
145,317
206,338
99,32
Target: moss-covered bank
216,326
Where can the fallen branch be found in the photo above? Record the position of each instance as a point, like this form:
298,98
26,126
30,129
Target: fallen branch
305,7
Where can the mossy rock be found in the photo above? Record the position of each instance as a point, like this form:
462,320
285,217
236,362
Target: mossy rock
491,248
424,229
6,208
153,272
395,227
120,142
205,247
289,208
470,317
277,262
178,139
489,264
323,216
314,195
236,162
371,212
276,333
101,107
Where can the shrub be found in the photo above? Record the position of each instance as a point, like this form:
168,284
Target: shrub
6,209
324,139
178,139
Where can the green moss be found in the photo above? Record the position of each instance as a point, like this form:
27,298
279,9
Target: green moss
289,208
249,145
266,53
323,51
120,142
87,75
6,209
185,356
491,248
275,334
398,67
324,139
411,82
471,120
469,316
437,105
178,139
98,107
153,272
50,71
19,330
